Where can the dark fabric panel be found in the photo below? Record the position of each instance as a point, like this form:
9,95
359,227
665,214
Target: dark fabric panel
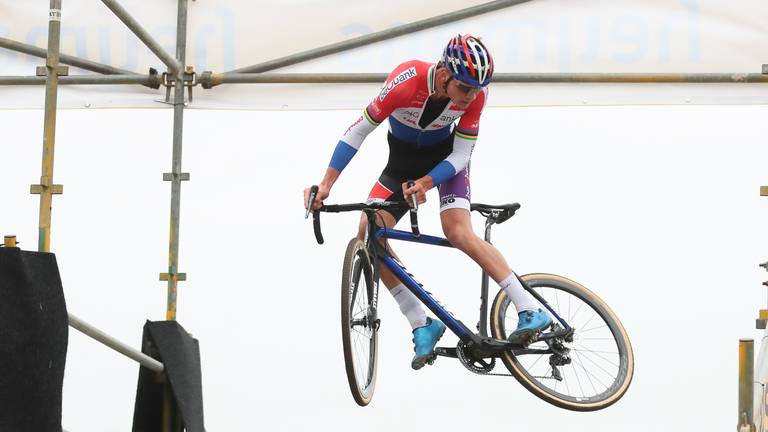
168,342
33,341
148,410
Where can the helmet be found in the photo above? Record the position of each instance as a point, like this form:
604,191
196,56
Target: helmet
469,60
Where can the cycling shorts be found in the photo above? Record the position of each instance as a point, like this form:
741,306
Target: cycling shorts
410,162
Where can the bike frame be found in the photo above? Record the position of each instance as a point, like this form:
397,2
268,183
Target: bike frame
481,343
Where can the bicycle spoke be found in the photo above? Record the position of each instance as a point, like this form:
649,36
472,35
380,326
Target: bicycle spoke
593,328
588,374
590,319
583,354
578,381
595,351
361,333
575,312
537,360
598,355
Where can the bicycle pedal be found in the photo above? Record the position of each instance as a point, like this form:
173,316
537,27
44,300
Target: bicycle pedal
531,339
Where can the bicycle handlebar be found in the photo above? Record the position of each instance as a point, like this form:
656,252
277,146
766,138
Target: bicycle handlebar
338,208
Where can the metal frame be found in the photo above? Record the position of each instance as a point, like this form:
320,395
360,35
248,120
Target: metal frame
179,76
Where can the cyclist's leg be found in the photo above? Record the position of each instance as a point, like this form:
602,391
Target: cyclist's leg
426,331
455,218
387,188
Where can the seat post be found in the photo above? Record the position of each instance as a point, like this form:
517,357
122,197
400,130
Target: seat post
488,224
482,324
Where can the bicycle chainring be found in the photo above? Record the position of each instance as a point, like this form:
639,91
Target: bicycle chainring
480,367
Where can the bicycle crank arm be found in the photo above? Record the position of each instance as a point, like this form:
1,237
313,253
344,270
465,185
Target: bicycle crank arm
446,352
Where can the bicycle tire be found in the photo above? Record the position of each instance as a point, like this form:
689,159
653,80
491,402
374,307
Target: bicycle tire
359,326
622,360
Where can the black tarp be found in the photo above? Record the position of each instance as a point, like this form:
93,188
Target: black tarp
169,343
33,341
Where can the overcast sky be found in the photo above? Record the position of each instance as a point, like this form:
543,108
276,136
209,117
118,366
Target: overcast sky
656,209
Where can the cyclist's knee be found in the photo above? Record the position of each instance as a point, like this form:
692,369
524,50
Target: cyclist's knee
459,235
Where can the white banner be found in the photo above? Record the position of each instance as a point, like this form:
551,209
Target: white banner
621,36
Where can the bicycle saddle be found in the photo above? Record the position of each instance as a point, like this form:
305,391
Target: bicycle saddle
499,213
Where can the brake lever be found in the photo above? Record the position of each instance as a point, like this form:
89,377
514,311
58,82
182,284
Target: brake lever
413,211
312,195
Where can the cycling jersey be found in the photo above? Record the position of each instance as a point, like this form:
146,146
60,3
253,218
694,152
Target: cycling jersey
402,100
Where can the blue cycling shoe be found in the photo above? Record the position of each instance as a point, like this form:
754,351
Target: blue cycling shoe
424,340
530,324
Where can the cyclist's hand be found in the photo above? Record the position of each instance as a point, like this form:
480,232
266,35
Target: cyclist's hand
419,188
322,194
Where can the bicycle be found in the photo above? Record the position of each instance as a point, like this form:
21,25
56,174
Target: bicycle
572,343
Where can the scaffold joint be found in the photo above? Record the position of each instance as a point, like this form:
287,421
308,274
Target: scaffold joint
60,71
38,189
173,277
206,79
175,176
155,80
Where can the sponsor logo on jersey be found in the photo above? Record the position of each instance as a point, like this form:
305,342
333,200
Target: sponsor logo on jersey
399,79
353,125
448,118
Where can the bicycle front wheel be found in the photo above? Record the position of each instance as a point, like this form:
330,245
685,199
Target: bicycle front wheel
359,322
598,364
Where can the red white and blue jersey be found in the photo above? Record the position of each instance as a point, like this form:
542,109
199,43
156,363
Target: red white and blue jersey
402,100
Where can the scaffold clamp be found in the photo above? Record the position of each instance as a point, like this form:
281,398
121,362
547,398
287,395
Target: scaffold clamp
60,71
175,176
179,277
37,189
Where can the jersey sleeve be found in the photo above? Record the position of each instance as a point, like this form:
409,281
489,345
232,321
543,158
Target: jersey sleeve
392,95
465,136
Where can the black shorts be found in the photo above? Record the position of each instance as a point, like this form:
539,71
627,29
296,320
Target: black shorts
410,162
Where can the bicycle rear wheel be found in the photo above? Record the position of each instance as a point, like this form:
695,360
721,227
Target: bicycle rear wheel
359,322
601,362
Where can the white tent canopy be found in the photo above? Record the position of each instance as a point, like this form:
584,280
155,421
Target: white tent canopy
540,36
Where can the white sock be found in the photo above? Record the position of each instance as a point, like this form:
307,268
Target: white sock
410,306
522,300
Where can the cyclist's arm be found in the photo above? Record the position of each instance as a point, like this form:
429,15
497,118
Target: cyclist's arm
463,143
330,177
394,92
353,138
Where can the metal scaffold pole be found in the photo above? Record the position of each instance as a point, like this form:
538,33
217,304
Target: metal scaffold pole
172,421
176,176
46,189
63,58
380,36
746,387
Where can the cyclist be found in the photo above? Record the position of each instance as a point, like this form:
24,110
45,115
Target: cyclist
422,101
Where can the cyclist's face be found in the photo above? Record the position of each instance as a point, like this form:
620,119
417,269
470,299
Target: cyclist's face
462,94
